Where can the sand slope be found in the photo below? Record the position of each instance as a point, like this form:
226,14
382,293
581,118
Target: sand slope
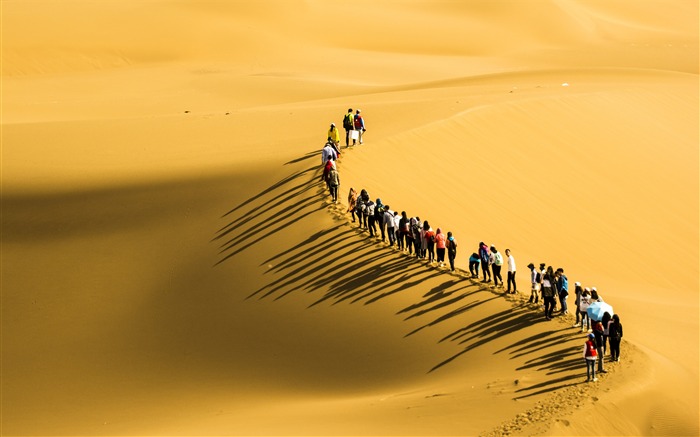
171,265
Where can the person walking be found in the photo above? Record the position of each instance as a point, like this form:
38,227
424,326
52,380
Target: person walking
370,217
404,230
598,333
334,184
497,265
417,230
429,236
511,273
440,244
549,291
379,216
615,337
348,125
334,138
328,151
605,321
535,284
359,124
389,224
583,310
577,301
451,246
486,261
352,200
563,289
325,176
397,230
474,262
590,355
361,207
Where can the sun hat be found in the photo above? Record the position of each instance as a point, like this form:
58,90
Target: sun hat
578,284
333,124
531,266
591,335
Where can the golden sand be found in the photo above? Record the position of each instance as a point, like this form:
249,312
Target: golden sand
172,266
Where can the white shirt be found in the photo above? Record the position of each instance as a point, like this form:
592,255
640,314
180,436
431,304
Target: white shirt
389,218
511,263
326,152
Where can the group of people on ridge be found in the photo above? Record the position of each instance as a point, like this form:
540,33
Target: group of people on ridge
408,234
417,238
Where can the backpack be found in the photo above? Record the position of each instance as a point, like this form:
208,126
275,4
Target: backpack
348,121
538,278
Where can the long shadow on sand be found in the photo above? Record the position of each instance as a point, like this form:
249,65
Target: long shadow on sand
351,267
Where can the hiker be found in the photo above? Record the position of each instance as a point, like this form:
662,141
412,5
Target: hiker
388,221
497,264
605,321
410,242
328,151
379,216
330,164
549,291
598,333
429,236
370,218
416,226
352,200
563,289
334,183
535,281
360,207
348,125
334,138
485,261
577,291
359,125
451,246
440,245
583,309
404,230
511,273
590,355
615,336
543,270
474,265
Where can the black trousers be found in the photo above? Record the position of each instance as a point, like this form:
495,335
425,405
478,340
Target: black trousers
497,274
511,280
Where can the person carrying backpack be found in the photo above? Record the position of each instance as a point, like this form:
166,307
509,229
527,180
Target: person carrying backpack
497,265
359,124
348,125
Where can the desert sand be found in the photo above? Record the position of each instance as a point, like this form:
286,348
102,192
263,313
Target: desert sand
172,265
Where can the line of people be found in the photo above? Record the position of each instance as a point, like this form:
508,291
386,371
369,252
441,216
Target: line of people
412,235
417,238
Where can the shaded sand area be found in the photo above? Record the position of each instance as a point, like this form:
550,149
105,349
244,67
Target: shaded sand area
172,265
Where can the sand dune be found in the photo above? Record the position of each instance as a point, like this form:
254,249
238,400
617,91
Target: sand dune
172,266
